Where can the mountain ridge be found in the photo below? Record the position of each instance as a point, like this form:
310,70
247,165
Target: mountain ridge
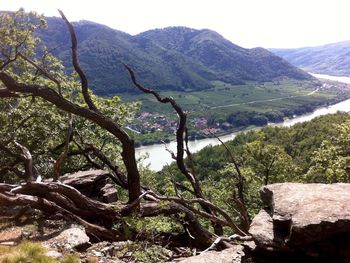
172,58
331,59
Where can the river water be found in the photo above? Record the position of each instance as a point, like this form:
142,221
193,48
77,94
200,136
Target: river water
158,156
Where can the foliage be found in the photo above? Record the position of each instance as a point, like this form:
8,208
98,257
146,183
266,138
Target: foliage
331,162
269,163
35,123
301,153
149,253
16,33
153,226
144,252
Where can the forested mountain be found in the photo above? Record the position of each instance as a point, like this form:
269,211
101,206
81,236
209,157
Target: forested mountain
176,58
332,59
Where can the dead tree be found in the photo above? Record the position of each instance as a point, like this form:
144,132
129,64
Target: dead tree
96,217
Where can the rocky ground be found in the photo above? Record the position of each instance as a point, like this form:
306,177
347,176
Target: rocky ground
61,237
299,223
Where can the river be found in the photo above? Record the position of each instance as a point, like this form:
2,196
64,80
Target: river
158,155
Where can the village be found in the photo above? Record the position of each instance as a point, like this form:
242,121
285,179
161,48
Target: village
147,122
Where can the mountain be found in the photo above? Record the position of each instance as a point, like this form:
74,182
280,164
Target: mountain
331,59
174,58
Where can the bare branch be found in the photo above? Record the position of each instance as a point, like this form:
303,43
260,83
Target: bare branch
181,137
63,155
95,208
182,187
172,154
206,203
119,177
84,81
5,93
9,61
135,203
48,206
202,237
179,133
25,157
245,220
234,237
214,245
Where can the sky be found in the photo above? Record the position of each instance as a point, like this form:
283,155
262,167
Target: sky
248,23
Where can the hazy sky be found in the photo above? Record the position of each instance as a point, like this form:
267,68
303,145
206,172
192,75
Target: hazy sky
248,23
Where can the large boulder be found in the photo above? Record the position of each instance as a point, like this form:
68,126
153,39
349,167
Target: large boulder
96,184
71,238
309,221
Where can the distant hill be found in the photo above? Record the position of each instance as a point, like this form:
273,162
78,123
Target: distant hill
174,58
331,59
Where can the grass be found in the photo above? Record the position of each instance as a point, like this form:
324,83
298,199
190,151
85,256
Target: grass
70,259
30,252
24,252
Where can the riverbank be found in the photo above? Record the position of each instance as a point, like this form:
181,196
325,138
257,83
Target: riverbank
245,120
158,155
155,128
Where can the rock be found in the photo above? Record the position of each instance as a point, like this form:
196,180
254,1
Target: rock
72,238
262,230
309,221
96,184
97,253
10,236
84,180
230,255
310,212
109,193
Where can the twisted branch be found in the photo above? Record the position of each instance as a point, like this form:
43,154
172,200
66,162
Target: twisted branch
82,76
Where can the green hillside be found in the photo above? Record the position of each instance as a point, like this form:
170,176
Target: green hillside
174,58
314,152
331,59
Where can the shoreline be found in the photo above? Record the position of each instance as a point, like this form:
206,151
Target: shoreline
246,128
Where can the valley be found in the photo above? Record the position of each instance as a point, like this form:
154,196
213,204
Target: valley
228,108
223,87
